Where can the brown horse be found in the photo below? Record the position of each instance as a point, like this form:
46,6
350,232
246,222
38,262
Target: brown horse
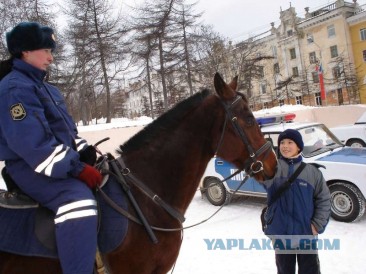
170,156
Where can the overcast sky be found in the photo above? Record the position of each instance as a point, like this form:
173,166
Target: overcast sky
237,19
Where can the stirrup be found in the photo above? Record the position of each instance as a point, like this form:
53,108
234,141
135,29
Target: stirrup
16,200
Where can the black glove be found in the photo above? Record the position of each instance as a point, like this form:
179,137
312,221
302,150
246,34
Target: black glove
88,155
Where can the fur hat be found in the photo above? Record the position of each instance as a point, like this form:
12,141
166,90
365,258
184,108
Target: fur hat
29,36
293,135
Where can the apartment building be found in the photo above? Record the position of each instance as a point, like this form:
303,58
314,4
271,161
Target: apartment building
357,26
318,60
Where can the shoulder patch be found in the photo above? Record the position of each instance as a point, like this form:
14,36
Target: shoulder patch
17,112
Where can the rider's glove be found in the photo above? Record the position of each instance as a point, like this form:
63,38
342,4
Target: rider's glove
90,176
88,155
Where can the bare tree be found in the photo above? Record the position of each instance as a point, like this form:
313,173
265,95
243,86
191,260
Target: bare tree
12,12
95,33
344,75
163,34
186,19
209,51
284,88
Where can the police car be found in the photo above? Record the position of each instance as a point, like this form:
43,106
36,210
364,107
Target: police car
352,135
344,168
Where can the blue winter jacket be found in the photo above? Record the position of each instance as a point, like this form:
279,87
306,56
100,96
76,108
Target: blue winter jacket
306,202
35,126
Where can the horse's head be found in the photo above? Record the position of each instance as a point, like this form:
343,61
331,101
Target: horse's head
242,142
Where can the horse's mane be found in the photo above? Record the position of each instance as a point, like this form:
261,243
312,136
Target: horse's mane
165,122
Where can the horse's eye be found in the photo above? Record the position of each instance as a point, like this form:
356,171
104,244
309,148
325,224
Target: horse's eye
249,121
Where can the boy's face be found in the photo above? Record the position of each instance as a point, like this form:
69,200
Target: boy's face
288,148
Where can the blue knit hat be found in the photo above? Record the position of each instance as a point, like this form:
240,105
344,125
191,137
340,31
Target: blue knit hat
293,135
29,36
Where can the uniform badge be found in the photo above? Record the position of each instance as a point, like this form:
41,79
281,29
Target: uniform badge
17,112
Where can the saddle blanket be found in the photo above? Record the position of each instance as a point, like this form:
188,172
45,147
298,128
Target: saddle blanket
31,232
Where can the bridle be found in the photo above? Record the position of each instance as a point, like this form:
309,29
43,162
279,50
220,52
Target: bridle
252,165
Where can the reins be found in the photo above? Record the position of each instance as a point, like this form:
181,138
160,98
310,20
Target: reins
136,220
148,192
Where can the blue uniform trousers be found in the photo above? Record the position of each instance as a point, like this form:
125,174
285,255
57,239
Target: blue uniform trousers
75,215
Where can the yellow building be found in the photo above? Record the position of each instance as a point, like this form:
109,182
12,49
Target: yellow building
316,59
357,26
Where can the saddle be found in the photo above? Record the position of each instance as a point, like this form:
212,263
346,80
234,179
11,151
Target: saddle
14,198
30,228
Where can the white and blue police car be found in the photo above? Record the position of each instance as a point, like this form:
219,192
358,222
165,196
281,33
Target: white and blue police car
353,135
344,168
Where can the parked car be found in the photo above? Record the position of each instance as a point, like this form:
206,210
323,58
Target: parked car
344,169
353,135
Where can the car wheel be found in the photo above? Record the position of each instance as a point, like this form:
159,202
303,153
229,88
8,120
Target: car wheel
216,193
356,143
347,202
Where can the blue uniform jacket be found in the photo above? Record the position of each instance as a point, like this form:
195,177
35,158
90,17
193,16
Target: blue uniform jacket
306,202
35,126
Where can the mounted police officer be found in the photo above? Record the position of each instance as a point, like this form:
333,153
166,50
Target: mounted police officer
41,149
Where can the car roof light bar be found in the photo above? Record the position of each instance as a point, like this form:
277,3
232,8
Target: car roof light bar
276,119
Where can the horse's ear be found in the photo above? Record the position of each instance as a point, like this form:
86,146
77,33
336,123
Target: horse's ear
224,90
234,83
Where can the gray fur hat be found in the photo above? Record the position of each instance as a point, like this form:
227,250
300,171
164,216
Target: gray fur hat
29,36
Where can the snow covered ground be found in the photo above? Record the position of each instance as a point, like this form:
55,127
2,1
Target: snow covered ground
238,221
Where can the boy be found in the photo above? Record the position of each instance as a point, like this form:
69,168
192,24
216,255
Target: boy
303,209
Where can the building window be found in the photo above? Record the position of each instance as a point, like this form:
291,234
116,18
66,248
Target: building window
263,88
333,51
292,53
274,51
312,57
331,31
295,72
340,96
315,77
261,71
290,33
276,68
310,38
318,99
363,34
336,72
298,100
364,55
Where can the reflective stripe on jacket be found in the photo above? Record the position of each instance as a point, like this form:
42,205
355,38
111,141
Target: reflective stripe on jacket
35,126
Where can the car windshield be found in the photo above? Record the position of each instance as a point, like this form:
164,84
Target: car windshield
317,139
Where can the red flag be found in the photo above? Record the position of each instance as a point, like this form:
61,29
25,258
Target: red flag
319,68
